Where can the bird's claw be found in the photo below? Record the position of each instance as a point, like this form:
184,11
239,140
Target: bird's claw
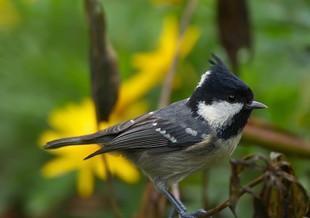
196,214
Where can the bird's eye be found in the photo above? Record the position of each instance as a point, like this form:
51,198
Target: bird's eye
231,98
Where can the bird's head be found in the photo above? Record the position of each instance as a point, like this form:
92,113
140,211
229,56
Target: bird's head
222,99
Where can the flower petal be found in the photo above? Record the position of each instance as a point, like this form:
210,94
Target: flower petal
99,168
123,168
58,166
81,115
85,182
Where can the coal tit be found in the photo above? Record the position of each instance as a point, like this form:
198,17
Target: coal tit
171,143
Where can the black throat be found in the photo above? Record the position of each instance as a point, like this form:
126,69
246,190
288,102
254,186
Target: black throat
235,126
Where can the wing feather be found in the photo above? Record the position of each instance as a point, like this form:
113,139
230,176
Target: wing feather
152,133
100,137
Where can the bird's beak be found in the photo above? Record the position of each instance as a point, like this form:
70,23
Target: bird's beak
256,105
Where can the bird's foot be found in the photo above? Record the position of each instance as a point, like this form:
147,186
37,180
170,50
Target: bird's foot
196,214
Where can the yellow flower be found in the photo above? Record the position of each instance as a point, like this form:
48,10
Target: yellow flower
9,16
78,119
153,65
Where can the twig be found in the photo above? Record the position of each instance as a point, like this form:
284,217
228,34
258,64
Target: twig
153,204
150,193
113,203
226,203
205,185
271,137
167,86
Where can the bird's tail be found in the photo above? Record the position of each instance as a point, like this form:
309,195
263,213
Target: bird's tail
79,140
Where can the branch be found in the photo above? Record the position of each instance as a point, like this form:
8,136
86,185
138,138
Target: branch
153,203
227,203
167,86
205,185
268,136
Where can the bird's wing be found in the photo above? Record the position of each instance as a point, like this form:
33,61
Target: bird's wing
100,137
151,133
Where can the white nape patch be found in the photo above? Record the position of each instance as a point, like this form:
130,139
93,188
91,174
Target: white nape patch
150,113
218,113
166,135
203,78
191,131
132,121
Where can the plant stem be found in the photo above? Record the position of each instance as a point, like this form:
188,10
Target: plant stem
226,203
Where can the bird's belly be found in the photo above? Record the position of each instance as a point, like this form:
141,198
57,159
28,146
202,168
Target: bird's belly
174,166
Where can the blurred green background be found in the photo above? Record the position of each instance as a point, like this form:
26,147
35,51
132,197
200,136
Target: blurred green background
44,65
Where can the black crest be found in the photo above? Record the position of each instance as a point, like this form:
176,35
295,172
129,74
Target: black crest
219,85
218,66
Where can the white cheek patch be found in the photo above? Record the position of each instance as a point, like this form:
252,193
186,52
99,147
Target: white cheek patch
218,113
203,78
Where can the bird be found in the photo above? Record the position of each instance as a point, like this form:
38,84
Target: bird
172,142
